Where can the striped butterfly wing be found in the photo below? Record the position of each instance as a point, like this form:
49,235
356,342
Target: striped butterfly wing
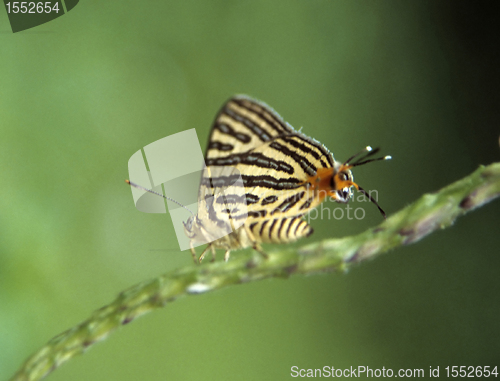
243,124
274,178
274,161
222,206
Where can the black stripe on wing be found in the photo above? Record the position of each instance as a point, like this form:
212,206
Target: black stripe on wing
280,230
288,203
298,157
265,113
251,158
249,181
247,198
252,127
269,200
241,118
220,146
318,150
228,130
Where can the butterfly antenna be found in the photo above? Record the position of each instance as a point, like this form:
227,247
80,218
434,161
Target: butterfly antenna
369,152
372,200
158,194
364,161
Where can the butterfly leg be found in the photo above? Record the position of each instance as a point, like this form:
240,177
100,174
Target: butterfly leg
226,255
257,247
193,252
204,252
255,244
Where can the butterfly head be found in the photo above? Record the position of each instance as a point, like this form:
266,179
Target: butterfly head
337,182
341,183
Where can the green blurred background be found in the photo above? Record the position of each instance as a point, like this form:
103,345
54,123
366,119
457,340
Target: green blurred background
81,94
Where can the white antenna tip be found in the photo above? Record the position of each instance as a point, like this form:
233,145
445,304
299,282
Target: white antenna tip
388,157
368,148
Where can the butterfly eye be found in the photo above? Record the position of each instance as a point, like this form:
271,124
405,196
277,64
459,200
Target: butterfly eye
343,176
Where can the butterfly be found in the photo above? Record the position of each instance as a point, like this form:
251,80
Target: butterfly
261,178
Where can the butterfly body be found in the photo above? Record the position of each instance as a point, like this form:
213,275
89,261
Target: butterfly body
261,178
